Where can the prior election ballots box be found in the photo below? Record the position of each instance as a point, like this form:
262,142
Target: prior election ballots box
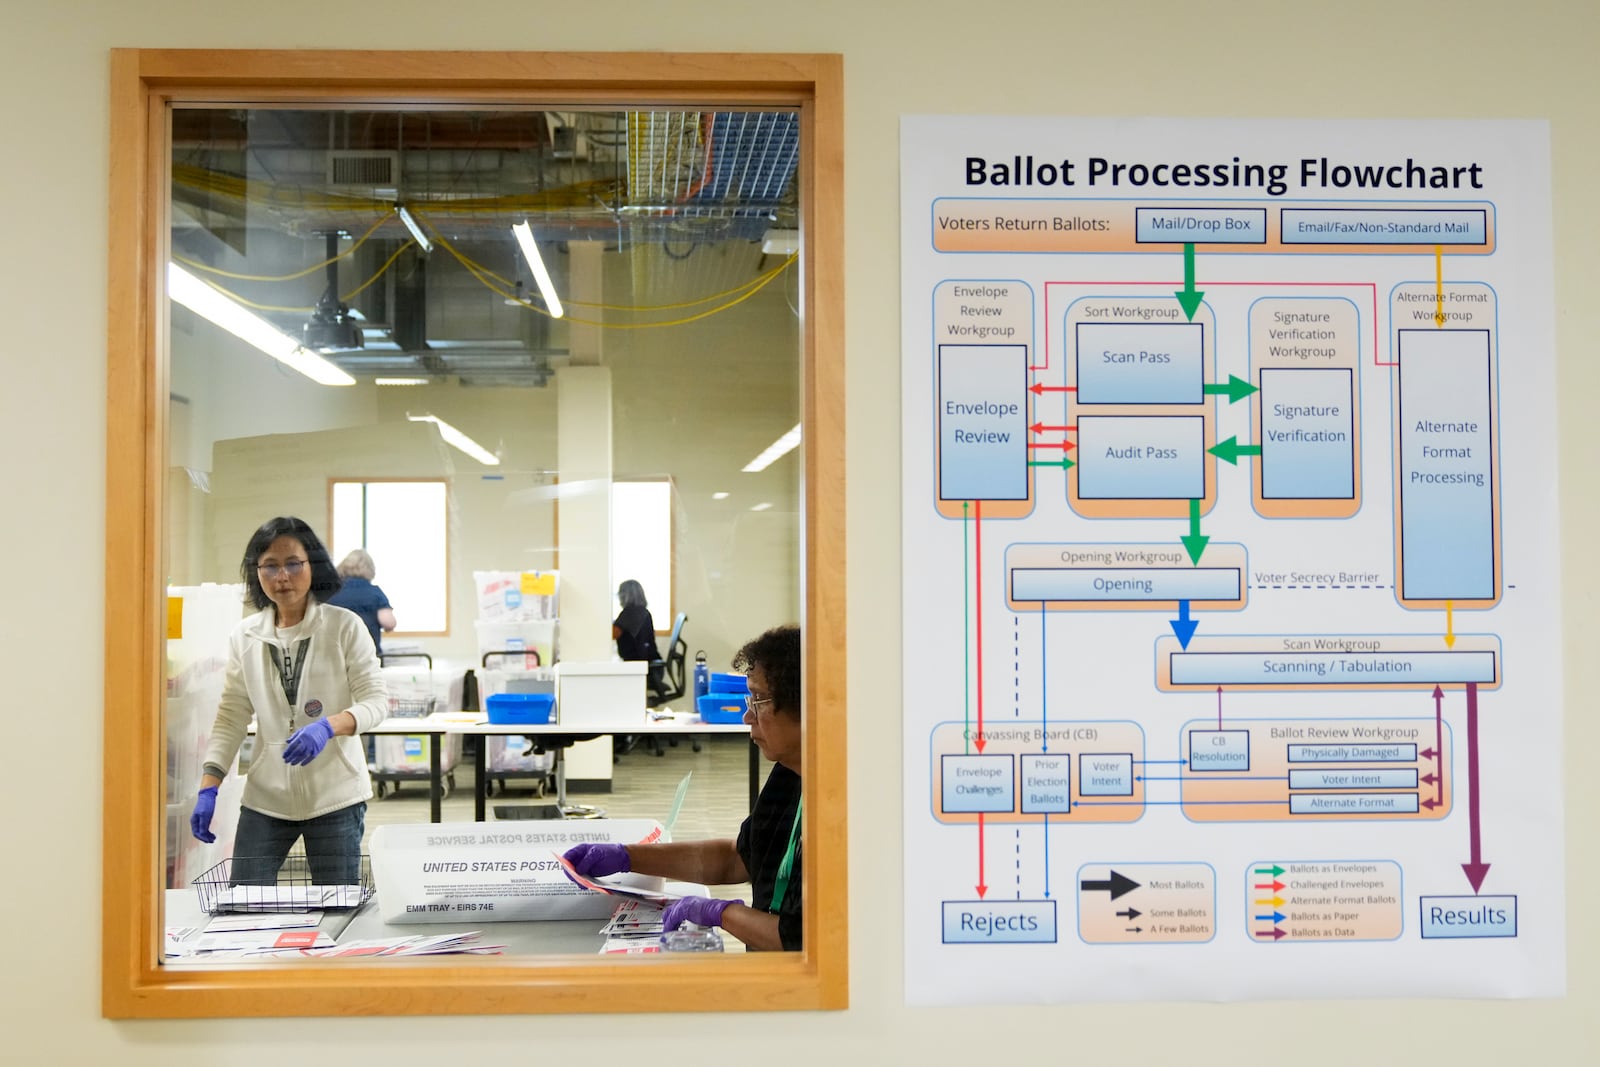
494,872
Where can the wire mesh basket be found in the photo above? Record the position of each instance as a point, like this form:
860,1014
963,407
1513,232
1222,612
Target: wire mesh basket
295,888
411,709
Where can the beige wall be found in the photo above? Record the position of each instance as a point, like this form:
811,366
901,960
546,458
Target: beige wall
1358,58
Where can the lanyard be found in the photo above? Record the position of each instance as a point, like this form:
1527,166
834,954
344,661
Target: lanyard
781,886
289,674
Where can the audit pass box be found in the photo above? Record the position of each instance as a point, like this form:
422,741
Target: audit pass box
606,694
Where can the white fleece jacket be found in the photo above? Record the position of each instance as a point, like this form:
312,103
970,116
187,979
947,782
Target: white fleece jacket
341,672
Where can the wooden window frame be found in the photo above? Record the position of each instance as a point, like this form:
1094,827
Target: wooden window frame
144,84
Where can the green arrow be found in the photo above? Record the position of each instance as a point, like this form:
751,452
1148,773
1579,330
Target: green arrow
1063,463
966,633
1231,450
1195,542
1235,390
1274,870
1189,296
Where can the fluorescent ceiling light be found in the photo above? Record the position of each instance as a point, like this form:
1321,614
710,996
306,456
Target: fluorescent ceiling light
416,231
719,496
781,447
762,506
780,243
399,381
530,252
247,326
457,439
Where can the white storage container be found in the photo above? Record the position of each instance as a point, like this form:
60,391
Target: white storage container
607,695
535,642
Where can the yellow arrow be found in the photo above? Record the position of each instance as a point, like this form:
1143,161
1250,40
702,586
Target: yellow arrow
1276,902
1438,281
1449,625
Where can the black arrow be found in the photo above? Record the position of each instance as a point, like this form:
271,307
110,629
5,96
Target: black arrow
1118,885
1131,914
1134,929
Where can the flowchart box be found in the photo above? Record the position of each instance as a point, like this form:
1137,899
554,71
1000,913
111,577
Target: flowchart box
1219,750
999,922
978,784
983,422
1462,917
1046,785
1308,434
1105,774
1141,457
1140,362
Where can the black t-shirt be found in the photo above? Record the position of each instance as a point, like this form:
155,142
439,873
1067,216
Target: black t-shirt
763,839
636,640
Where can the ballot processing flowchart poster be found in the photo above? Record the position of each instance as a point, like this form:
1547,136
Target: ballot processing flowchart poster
1232,665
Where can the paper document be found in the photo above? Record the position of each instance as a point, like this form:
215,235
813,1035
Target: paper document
612,886
278,898
262,920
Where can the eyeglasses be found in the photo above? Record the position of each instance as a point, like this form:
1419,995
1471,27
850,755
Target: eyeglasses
291,567
756,702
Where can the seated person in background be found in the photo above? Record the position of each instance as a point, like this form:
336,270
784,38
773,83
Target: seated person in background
767,851
634,631
359,595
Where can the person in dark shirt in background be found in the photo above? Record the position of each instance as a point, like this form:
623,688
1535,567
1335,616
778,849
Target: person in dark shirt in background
635,631
359,595
767,851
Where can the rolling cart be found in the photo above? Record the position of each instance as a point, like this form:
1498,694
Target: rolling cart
507,757
398,758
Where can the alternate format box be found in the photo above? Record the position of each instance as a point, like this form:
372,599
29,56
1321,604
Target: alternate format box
1308,434
1445,465
1353,804
1141,457
1140,362
979,784
999,922
983,422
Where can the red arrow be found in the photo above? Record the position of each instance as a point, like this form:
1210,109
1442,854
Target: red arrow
1476,871
1274,885
977,570
1040,427
1038,388
1066,446
980,887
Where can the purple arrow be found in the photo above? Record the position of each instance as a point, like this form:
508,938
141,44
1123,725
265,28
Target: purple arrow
1273,933
1477,870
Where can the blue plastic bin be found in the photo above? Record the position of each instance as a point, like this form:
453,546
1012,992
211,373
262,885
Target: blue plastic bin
517,708
721,707
729,683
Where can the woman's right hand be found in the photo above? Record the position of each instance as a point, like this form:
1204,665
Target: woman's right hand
596,859
205,805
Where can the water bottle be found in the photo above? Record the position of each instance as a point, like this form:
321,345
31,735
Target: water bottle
691,938
702,675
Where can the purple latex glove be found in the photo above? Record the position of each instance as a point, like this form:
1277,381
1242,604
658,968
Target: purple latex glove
205,806
596,859
307,743
702,911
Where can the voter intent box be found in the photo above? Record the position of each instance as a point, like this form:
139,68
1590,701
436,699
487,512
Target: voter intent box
609,696
492,872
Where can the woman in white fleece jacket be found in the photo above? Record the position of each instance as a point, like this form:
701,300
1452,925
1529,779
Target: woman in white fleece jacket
308,675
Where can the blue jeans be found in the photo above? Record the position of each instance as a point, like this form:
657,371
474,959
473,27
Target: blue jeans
333,846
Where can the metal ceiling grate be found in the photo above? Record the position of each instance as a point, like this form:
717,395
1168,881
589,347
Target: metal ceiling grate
736,161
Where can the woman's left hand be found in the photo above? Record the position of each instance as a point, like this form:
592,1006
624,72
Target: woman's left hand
307,743
702,911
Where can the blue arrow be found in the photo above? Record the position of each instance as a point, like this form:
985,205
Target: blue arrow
1184,761
1275,917
1174,803
1183,626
